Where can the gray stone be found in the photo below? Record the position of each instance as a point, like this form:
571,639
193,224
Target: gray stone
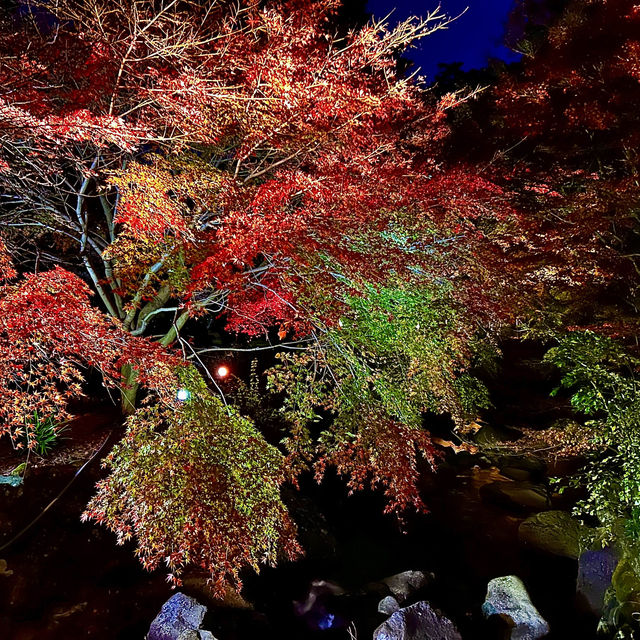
534,466
507,597
417,622
595,570
388,605
178,614
402,585
192,634
554,532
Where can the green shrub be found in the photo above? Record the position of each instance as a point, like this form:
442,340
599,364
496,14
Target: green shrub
42,434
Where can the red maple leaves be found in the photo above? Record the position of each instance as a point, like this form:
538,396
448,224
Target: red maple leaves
49,335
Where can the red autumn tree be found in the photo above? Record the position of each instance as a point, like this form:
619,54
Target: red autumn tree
49,335
241,159
569,122
297,150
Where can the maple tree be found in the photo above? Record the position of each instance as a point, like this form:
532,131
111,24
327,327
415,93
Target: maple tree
240,159
568,120
49,335
214,484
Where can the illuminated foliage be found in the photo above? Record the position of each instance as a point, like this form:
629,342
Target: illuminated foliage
600,373
572,130
239,159
182,484
393,356
573,172
49,335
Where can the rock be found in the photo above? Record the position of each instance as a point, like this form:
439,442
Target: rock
12,481
498,627
555,532
507,597
513,473
417,622
626,581
178,614
595,570
535,466
388,605
516,495
402,585
492,436
192,634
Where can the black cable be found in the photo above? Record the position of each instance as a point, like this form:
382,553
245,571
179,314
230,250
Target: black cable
77,473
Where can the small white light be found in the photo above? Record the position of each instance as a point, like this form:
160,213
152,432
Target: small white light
222,371
183,395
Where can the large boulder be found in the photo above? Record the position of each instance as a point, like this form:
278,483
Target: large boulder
417,622
179,615
514,473
507,597
555,532
532,465
595,570
626,580
490,436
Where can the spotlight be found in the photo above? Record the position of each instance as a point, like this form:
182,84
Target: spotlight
222,371
183,395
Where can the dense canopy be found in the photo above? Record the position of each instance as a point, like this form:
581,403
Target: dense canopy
186,178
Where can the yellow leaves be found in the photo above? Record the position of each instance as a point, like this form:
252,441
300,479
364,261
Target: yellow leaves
456,448
470,428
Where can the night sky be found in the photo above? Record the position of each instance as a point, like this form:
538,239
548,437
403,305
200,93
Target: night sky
472,39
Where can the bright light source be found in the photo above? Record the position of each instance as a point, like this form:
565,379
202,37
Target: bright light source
183,395
222,371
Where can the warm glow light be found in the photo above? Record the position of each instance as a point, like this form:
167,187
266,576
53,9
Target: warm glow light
222,371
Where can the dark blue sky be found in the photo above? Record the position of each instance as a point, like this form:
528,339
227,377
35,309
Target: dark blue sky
472,39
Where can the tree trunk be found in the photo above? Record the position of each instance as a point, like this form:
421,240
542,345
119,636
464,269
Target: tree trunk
128,390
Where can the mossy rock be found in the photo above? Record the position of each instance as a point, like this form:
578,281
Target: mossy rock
513,473
490,436
516,496
556,532
619,618
626,582
535,466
